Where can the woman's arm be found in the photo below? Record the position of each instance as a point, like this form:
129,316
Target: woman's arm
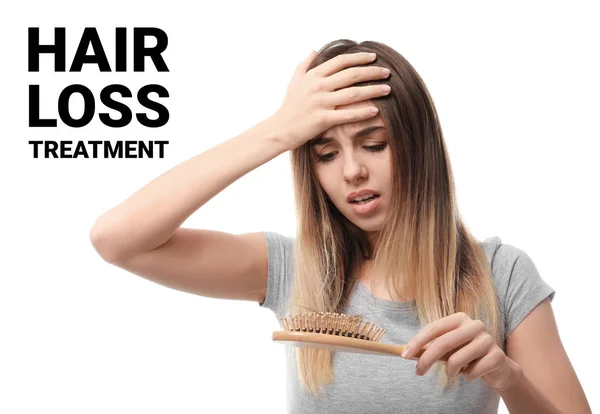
150,216
545,379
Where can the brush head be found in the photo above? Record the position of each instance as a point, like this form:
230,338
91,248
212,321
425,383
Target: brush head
332,323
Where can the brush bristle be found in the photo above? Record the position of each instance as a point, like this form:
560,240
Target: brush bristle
331,323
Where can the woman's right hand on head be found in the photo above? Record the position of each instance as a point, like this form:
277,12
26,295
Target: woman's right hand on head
309,107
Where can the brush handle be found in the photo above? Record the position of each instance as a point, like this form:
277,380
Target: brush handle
344,344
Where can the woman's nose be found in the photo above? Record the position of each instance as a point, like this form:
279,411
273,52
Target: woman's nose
353,169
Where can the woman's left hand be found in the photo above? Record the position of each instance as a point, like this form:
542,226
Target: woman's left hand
469,348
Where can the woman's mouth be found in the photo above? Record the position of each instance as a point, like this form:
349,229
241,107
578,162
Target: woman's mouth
365,206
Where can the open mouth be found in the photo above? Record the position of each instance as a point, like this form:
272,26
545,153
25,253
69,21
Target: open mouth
365,201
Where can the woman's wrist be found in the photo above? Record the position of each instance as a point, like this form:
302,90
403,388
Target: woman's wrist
277,132
515,375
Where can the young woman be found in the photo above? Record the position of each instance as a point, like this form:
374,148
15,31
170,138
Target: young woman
379,236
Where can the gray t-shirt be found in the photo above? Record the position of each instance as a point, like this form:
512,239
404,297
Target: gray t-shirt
384,384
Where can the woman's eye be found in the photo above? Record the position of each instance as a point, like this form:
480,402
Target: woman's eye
325,158
376,148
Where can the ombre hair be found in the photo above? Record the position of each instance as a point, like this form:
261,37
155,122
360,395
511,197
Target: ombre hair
424,248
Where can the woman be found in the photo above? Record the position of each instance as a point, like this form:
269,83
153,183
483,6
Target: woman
379,235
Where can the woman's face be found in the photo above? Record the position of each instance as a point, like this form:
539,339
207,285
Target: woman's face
351,158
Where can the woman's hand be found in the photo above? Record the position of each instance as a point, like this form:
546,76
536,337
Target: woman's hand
470,350
312,96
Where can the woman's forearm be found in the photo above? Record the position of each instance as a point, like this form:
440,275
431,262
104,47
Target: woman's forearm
149,217
523,397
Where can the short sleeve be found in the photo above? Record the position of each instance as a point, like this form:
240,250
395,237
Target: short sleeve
281,266
520,286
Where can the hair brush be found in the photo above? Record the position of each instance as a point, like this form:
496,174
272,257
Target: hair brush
338,332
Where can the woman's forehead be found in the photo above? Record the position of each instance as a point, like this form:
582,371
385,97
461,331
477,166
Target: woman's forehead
353,129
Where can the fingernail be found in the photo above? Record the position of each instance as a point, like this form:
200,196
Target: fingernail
405,352
418,370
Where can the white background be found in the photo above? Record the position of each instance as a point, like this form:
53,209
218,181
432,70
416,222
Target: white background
516,87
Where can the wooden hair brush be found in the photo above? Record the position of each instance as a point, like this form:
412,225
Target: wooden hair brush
338,332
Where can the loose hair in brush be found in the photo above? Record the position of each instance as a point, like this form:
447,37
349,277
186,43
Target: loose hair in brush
423,246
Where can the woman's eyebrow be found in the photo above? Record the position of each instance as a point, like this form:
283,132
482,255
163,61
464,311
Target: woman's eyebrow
320,140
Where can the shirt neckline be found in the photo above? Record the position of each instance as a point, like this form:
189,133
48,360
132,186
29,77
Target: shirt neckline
367,296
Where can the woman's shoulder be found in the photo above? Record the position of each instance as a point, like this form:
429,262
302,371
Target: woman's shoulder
503,257
279,241
280,249
519,285
490,247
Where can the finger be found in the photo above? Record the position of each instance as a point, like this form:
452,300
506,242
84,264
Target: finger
306,62
433,330
355,94
482,366
448,344
303,66
474,350
342,116
343,61
354,75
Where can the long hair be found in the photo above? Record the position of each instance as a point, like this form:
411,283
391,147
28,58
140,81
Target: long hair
424,248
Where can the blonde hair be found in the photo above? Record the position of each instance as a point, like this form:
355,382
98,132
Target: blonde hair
434,258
